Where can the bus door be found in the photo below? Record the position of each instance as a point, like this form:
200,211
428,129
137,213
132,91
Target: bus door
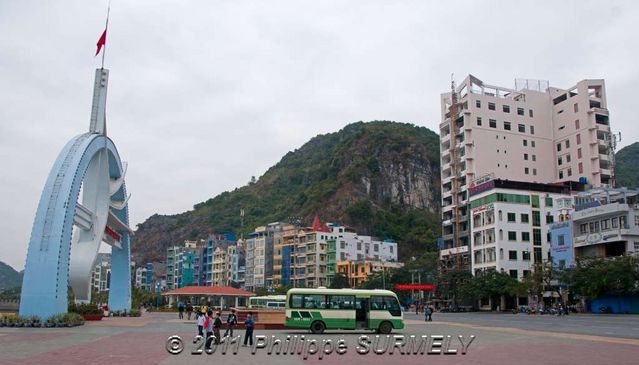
361,313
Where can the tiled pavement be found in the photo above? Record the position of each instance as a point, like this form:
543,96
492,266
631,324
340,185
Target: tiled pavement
142,341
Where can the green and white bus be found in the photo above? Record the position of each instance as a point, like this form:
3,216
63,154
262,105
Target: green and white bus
320,309
267,301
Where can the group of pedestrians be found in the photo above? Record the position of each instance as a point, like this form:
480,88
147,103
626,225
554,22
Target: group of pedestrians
213,324
182,307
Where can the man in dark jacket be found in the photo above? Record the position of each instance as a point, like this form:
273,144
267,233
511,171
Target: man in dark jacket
231,321
217,324
249,324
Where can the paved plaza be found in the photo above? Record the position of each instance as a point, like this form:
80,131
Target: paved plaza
500,339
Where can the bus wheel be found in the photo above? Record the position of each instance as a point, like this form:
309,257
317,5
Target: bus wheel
318,327
385,327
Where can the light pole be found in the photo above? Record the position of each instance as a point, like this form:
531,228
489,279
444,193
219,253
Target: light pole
383,275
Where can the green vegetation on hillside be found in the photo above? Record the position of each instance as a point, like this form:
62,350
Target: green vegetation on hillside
382,178
627,166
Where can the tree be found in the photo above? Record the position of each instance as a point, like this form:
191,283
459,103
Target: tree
282,289
339,281
596,277
260,292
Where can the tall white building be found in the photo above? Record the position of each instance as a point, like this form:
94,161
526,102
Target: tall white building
533,133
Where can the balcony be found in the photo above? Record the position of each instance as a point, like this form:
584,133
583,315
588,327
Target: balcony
597,211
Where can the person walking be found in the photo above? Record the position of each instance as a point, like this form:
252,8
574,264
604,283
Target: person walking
428,313
189,310
249,324
231,321
217,324
180,307
208,324
200,324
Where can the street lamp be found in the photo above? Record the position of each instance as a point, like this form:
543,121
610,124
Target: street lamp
157,291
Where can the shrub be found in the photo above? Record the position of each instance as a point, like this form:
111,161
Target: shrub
86,309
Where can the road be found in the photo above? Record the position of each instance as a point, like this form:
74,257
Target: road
499,339
612,325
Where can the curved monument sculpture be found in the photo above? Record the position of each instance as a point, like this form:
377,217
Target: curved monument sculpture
84,203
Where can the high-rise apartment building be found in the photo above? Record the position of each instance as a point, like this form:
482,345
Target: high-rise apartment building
533,133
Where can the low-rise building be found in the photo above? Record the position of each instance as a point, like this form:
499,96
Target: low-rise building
510,223
606,223
358,271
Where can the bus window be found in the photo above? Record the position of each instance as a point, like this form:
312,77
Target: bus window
392,305
377,303
314,301
296,301
341,301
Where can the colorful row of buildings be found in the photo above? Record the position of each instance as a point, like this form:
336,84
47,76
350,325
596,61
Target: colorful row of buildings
280,254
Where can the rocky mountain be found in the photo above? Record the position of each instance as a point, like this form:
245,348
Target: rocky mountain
382,178
627,166
9,278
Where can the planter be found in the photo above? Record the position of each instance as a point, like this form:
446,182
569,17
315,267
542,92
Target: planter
92,317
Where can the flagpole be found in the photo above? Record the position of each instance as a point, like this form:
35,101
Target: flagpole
106,27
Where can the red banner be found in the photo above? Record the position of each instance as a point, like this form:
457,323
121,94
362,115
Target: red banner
111,233
414,287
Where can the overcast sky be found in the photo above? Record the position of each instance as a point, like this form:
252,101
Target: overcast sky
205,94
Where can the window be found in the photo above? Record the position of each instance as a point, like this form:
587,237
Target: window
536,219
507,126
525,255
525,157
535,201
534,157
561,240
512,217
530,113
548,201
521,128
527,272
492,123
500,216
526,170
605,224
583,228
513,274
567,143
491,106
512,236
578,152
577,124
581,168
341,302
636,244
535,172
536,237
569,171
532,144
558,147
576,107
525,236
524,218
512,255
385,303
637,220
537,255
549,219
478,103
520,111
506,108
614,221
525,142
479,121
578,138
561,174
532,130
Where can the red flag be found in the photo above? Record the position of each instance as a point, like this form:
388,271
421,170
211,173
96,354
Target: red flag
101,42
